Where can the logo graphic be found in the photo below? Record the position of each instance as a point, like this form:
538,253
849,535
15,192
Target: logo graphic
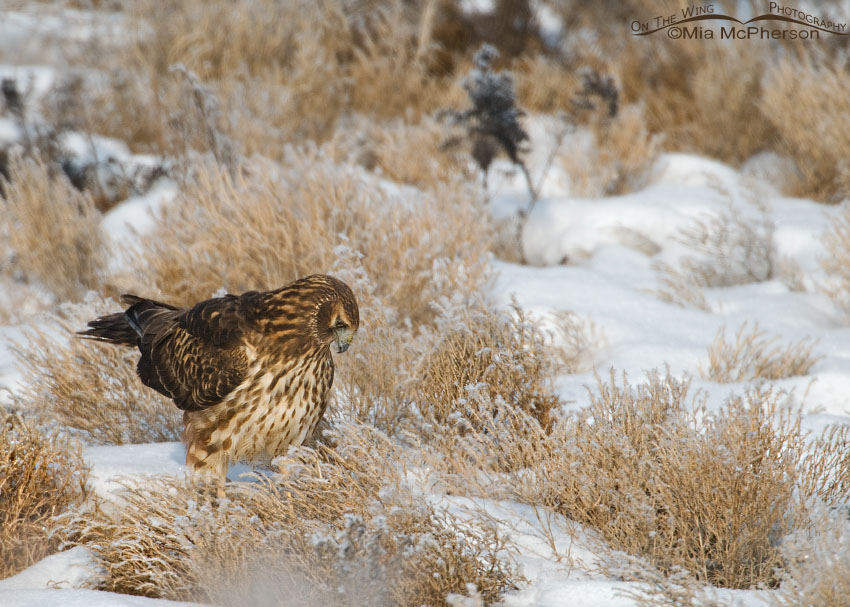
788,24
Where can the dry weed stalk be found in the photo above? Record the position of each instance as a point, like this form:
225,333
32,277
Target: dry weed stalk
54,230
755,355
337,522
40,477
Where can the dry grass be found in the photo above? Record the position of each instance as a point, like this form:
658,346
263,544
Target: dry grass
338,524
755,355
836,262
577,341
269,227
90,389
40,477
404,153
287,80
705,495
499,356
817,564
662,478
814,128
53,230
731,248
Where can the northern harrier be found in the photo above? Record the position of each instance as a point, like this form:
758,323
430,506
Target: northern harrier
252,372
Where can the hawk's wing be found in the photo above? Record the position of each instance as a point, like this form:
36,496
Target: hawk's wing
195,356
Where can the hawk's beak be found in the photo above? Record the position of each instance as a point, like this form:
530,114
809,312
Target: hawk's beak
343,339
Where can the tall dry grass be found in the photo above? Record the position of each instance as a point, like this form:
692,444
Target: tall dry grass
814,128
53,230
270,225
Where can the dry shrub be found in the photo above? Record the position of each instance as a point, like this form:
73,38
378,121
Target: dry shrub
402,152
826,467
613,156
53,230
755,355
337,526
40,477
816,572
661,477
808,102
704,97
264,229
90,389
731,248
491,355
373,378
836,263
579,341
544,85
284,78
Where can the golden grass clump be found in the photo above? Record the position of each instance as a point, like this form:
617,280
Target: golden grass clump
817,137
266,228
660,477
337,524
90,389
53,230
495,355
40,477
755,355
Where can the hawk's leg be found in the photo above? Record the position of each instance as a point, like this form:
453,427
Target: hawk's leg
209,465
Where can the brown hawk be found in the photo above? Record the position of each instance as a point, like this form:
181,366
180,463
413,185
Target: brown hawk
252,372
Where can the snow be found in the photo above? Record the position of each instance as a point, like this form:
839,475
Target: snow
68,569
79,598
595,257
606,279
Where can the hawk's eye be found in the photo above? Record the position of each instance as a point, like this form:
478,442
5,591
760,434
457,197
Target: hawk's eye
339,324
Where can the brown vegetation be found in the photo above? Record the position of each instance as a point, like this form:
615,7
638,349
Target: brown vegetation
337,522
91,389
754,355
53,230
41,476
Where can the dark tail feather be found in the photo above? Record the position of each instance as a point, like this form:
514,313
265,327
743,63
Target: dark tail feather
112,328
123,328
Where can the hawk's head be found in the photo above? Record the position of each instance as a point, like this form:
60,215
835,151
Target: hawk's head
337,317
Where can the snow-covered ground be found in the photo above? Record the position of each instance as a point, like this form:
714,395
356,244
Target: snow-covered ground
607,281
612,246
